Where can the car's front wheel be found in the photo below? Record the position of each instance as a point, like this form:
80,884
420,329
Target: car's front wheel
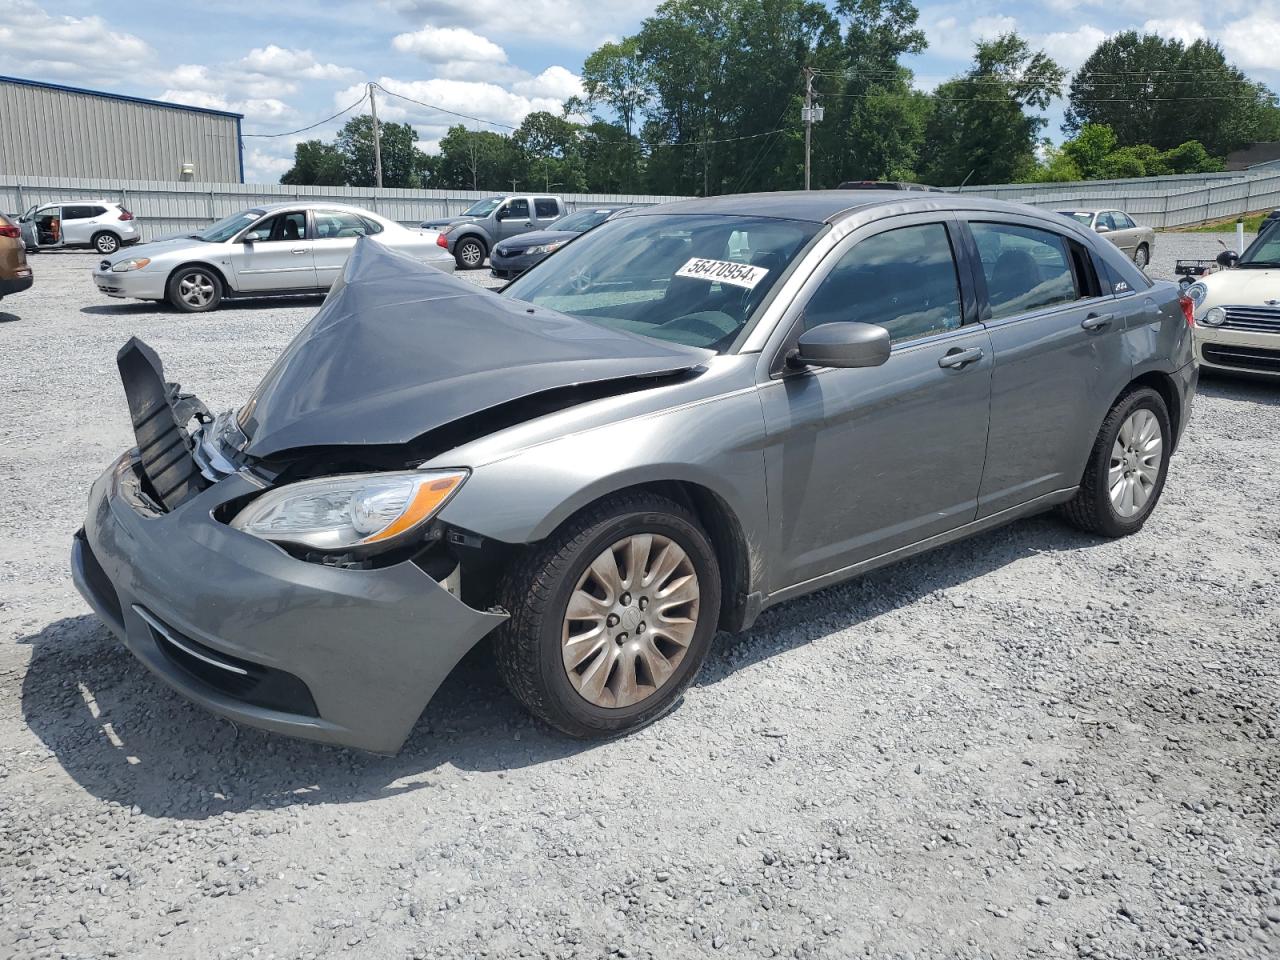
195,289
611,616
469,253
1127,467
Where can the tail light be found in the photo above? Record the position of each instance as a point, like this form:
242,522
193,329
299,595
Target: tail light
10,231
1188,310
442,241
125,214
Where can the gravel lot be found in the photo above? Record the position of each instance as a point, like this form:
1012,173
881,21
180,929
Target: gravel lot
1031,744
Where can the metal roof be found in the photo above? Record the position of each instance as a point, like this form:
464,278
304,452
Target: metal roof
119,96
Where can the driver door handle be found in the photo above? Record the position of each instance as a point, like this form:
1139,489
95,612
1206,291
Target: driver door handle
1096,321
298,250
959,359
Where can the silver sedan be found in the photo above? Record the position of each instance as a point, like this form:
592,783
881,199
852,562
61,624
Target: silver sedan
272,250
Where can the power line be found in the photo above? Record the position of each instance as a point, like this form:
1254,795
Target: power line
318,123
707,143
452,113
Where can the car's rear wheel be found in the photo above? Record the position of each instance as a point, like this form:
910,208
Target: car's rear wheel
1142,256
611,616
195,289
1127,467
469,253
106,243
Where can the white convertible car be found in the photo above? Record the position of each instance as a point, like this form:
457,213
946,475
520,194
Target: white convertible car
1238,309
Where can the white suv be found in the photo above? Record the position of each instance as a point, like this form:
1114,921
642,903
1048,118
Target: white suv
101,224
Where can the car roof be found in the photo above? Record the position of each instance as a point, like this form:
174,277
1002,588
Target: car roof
76,203
832,206
309,205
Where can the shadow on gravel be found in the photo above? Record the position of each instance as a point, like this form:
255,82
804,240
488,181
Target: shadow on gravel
151,306
125,737
9,317
1263,390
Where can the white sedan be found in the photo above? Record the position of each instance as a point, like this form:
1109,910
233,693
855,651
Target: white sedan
272,250
1238,309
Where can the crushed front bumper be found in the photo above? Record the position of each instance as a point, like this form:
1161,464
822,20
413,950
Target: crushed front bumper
234,623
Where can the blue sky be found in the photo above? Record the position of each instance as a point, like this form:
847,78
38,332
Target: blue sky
285,65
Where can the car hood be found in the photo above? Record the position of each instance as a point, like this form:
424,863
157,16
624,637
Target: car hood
156,248
399,349
1246,286
535,237
439,222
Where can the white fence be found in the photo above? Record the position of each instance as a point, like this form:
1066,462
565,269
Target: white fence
169,208
1157,201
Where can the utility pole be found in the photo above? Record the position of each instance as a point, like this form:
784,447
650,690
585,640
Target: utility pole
808,116
377,139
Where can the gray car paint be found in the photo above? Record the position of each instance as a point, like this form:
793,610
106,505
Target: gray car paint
811,475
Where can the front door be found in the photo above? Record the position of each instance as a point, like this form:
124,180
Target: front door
1058,357
861,462
279,258
516,218
48,223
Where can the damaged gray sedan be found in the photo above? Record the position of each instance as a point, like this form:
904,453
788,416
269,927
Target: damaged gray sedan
685,416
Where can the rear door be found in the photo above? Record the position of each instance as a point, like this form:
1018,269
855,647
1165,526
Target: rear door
861,462
546,211
1059,356
335,233
280,260
78,223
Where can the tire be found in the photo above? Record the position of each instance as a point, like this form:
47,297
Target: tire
533,647
1142,256
469,253
194,289
106,243
1094,508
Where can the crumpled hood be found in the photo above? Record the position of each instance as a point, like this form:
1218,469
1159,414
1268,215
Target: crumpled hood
400,348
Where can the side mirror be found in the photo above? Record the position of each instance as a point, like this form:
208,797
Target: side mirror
841,344
1227,258
500,213
1102,228
253,236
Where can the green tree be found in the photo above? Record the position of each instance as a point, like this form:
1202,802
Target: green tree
615,76
981,129
316,164
1089,149
480,160
402,161
551,149
1057,167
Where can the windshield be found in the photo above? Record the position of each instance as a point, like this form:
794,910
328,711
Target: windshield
1265,249
1084,216
687,278
482,208
228,227
582,221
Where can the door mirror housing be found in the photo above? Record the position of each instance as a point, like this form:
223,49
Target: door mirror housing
841,344
1227,258
500,213
1102,228
253,236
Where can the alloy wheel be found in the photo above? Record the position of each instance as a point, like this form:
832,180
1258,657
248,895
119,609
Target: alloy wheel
630,620
471,254
196,289
108,244
1135,462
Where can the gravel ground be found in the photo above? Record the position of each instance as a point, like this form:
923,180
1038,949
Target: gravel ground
1170,247
1030,744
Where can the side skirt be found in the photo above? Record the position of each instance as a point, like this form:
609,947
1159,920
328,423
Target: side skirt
1038,505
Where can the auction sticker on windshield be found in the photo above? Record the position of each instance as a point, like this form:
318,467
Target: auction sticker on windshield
726,271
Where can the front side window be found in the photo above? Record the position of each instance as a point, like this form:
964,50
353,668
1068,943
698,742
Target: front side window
1026,268
903,280
339,225
695,279
516,210
546,208
283,228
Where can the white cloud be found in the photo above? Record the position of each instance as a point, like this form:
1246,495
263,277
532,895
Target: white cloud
445,45
955,37
293,64
554,82
1248,42
255,109
579,23
76,49
1188,31
1069,50
266,164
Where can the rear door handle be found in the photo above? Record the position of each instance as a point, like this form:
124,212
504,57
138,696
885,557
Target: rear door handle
297,250
1096,321
958,359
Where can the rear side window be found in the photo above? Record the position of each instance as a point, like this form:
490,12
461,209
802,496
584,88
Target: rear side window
903,280
339,225
1123,221
1026,269
546,208
78,213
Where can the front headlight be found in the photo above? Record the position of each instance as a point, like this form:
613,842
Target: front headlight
364,512
124,266
1196,293
1214,317
545,247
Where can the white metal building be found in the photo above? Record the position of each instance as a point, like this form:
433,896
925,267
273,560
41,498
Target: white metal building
48,130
